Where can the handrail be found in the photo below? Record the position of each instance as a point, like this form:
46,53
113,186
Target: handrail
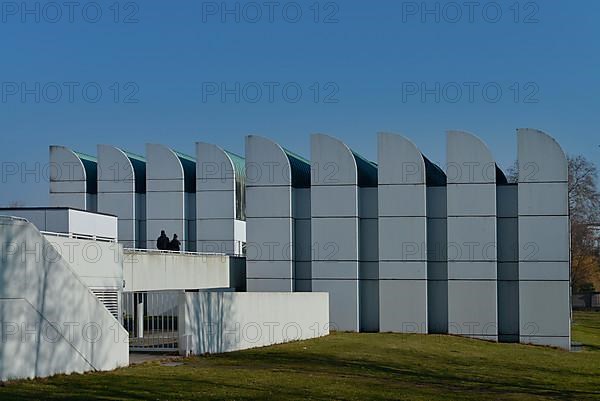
143,250
8,217
78,236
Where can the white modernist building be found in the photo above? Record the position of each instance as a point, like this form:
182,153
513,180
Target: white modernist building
412,213
543,229
170,195
220,200
400,245
278,218
472,238
344,233
122,192
73,179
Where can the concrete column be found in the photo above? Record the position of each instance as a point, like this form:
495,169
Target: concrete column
472,255
117,190
335,225
168,201
73,179
269,222
302,243
216,199
508,262
402,236
437,255
544,259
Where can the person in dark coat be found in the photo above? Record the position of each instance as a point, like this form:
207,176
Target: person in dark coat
162,242
175,245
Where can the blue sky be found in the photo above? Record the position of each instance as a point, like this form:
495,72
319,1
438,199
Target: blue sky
169,62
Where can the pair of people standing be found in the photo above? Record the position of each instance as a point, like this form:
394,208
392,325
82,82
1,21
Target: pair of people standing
164,244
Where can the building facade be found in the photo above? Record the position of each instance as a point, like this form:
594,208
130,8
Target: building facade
400,244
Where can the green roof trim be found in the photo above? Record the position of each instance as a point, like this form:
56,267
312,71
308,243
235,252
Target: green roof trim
85,156
139,168
184,156
367,171
90,164
189,171
132,155
239,163
434,175
239,167
300,169
297,156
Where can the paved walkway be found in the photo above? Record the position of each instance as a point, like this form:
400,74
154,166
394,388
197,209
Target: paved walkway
135,358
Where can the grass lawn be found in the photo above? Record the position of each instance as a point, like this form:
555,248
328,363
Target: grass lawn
353,366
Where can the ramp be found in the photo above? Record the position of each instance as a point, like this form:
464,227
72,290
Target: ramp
50,320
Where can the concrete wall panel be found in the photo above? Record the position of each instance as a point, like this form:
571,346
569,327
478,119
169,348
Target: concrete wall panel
543,198
477,318
216,322
270,239
39,287
334,176
401,201
343,296
155,271
467,199
214,230
543,320
302,249
269,285
271,269
334,269
544,288
406,244
437,265
472,238
277,240
345,205
68,179
121,205
406,295
269,201
338,235
402,236
544,238
538,270
402,270
301,203
216,205
368,207
165,196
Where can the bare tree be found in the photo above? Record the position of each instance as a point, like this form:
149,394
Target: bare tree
512,173
584,210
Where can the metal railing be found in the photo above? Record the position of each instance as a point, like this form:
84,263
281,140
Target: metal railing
151,319
8,217
586,300
160,251
78,236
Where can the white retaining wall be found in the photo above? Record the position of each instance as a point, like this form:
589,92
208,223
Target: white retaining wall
152,271
215,322
51,322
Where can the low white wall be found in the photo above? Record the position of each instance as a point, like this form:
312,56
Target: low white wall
95,224
51,322
215,322
99,264
67,221
153,271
